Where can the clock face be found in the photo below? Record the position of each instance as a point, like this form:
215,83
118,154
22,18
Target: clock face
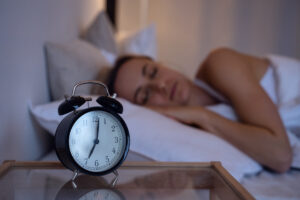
97,141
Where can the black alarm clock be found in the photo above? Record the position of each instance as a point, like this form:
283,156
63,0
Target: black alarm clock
94,140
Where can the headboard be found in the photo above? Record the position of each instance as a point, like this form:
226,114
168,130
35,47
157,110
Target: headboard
25,27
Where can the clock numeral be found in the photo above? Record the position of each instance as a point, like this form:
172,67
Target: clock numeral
76,155
116,139
95,119
114,150
96,195
86,161
85,122
113,127
104,121
107,159
96,163
73,141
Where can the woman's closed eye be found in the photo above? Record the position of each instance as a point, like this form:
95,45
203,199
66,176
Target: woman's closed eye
144,96
153,73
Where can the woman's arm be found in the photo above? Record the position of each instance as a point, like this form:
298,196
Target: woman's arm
260,132
260,143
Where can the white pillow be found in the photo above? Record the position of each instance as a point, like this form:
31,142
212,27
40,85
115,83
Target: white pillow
160,138
110,57
142,42
101,33
72,62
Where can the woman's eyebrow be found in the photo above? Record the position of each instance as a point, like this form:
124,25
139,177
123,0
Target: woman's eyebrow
136,95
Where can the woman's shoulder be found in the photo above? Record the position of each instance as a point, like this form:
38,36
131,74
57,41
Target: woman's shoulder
221,56
217,57
221,53
224,59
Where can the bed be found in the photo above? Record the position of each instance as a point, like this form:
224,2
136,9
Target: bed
78,55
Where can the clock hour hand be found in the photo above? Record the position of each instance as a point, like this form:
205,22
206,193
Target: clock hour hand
92,150
96,141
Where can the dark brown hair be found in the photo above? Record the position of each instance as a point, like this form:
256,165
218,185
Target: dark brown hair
118,64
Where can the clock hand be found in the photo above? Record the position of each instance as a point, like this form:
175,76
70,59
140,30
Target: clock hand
96,141
97,130
92,150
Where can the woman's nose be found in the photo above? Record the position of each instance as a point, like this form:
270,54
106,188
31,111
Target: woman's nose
161,87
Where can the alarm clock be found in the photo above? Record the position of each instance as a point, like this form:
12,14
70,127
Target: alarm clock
94,140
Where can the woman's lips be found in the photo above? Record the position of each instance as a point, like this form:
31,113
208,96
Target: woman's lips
173,91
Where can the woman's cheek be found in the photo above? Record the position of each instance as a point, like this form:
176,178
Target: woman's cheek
182,94
159,100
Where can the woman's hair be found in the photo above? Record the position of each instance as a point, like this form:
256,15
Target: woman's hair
118,64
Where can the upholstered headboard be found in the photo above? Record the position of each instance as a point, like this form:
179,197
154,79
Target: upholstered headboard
25,27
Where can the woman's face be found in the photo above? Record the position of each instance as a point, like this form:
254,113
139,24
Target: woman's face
145,82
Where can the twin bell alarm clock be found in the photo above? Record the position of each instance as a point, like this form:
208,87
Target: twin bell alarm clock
94,140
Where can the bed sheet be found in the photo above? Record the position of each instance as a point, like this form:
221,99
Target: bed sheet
263,186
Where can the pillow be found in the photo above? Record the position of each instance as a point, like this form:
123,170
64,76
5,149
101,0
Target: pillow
111,58
163,139
72,62
101,33
142,42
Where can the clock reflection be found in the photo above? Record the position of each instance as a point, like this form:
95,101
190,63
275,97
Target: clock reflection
89,188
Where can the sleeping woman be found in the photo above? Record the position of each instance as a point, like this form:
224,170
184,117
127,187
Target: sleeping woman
225,76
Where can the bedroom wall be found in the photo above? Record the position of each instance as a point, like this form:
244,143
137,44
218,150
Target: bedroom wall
25,26
188,30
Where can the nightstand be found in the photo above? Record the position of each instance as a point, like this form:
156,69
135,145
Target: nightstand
136,180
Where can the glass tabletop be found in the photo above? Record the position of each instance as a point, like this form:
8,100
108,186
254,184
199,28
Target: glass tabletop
135,180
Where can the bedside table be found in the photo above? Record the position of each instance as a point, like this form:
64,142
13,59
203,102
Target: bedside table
136,180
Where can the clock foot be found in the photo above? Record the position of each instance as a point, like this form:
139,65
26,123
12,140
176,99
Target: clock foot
73,179
74,185
115,180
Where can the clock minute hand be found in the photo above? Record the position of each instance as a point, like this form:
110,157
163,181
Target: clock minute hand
97,130
96,141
